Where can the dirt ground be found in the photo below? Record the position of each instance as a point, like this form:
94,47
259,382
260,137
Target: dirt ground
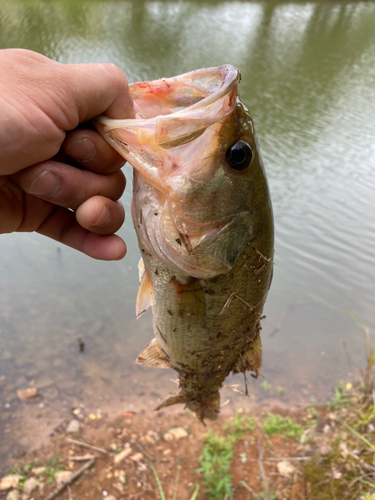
142,439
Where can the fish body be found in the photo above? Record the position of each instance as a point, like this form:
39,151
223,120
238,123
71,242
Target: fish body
202,212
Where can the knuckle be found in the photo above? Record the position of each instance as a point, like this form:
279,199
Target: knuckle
119,74
118,77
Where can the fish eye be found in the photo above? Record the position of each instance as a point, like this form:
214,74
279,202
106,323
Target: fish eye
239,155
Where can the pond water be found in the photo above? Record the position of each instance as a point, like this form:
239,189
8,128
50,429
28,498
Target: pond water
308,78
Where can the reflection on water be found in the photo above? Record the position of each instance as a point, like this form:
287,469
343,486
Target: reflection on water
307,77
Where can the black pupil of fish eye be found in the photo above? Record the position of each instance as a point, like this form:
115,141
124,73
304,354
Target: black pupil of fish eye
239,155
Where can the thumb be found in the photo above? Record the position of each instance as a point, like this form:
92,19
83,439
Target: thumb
97,89
40,100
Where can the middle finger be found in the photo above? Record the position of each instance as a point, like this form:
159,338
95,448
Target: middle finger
88,148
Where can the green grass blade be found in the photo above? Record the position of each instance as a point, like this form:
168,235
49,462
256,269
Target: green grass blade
162,496
353,431
196,491
367,483
176,482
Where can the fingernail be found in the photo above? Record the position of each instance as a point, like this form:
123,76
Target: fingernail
103,218
81,150
46,184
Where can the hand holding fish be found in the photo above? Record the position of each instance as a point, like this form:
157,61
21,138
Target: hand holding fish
44,137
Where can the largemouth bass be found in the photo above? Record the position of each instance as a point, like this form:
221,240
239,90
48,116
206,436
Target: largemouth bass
202,212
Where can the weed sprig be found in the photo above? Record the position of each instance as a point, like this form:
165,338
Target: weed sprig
276,424
214,466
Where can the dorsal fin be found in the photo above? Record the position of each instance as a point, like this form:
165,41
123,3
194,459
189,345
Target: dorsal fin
144,295
153,356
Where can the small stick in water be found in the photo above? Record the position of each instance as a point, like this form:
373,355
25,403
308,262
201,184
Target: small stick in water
81,344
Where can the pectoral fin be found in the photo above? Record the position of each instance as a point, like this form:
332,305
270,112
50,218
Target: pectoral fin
189,299
153,356
144,295
141,269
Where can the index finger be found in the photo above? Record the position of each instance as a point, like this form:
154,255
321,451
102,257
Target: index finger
96,89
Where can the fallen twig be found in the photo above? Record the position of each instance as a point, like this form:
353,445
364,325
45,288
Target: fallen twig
261,468
83,458
86,445
69,481
362,462
264,434
150,457
281,459
69,493
137,495
280,475
248,488
359,436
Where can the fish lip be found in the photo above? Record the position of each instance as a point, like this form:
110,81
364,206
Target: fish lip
230,77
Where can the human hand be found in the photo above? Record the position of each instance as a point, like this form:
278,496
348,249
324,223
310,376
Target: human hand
42,103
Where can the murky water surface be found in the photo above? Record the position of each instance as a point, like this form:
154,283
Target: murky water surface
308,78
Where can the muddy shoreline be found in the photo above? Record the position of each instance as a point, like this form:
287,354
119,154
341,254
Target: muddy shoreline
313,453
148,438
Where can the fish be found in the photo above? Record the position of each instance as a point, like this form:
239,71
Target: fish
202,212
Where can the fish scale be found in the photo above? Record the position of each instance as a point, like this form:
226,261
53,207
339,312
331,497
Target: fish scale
202,213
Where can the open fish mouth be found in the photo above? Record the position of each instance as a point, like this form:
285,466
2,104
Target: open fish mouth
170,113
182,95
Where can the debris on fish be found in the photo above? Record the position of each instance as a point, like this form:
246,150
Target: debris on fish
202,212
